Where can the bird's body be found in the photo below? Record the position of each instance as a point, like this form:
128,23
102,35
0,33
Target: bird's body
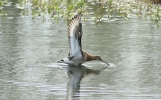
76,55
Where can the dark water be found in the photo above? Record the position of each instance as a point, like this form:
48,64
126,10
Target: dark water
29,50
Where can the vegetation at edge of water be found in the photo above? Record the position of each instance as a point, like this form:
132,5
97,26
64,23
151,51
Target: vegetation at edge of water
1,6
2,3
97,10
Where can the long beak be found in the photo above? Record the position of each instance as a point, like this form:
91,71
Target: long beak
105,62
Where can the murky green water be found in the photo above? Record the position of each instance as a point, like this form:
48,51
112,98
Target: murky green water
29,50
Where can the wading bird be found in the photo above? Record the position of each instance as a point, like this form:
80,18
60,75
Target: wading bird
76,55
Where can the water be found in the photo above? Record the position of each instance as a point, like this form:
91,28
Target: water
29,50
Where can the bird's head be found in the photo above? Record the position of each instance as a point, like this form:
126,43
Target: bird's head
100,59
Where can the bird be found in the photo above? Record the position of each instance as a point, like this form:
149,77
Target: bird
76,55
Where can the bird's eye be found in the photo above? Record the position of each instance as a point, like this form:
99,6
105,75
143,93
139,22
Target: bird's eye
99,58
62,60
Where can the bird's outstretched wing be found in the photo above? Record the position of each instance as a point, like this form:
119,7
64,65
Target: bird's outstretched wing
74,36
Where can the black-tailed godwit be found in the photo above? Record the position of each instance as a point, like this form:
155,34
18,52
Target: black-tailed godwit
76,55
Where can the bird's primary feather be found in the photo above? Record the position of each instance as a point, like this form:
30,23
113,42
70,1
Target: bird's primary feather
74,37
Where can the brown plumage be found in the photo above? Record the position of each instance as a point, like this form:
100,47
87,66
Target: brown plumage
90,57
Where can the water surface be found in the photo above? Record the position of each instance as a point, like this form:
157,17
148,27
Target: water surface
29,50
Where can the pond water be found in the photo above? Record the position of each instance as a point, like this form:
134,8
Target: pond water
29,50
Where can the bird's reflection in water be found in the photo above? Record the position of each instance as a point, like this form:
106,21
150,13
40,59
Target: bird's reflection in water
76,73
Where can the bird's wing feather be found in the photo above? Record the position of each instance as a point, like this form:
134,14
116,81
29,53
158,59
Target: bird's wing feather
75,35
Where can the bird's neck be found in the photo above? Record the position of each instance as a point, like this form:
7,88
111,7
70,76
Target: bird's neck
89,57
